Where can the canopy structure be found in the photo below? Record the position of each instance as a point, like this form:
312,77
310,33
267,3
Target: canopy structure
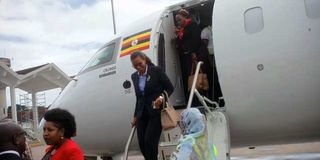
7,76
31,80
41,78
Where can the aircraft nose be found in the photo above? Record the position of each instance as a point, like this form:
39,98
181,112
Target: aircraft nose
39,132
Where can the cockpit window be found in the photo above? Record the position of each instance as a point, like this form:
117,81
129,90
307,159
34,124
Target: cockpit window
103,56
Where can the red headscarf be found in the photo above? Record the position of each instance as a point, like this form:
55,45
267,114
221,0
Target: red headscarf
183,25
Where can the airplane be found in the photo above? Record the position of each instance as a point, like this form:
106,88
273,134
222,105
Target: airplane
267,57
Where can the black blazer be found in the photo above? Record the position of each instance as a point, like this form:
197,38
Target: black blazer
156,82
191,40
9,156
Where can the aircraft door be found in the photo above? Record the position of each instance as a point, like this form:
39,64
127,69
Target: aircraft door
168,59
217,91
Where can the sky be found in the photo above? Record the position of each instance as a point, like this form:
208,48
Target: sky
64,32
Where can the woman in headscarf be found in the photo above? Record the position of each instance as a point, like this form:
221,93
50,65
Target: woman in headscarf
194,144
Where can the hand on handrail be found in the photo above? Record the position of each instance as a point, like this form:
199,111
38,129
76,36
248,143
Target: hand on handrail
134,122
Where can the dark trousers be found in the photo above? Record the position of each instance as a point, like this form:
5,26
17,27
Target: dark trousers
149,131
185,64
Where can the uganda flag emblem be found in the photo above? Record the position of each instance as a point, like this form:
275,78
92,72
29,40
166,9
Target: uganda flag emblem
136,42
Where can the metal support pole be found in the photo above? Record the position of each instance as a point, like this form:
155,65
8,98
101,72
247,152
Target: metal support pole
113,18
35,110
3,102
13,104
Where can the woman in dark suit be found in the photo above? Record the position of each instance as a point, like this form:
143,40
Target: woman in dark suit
149,83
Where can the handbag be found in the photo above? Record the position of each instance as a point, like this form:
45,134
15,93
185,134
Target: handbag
202,83
169,116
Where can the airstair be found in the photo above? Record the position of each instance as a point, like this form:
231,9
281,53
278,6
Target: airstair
217,127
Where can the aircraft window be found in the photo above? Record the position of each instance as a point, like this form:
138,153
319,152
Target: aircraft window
104,55
312,8
253,20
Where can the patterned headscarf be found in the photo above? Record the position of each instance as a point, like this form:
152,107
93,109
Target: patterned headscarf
192,122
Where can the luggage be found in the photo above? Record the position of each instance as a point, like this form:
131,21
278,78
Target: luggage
202,83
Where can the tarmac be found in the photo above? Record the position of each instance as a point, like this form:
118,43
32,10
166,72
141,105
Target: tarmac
301,151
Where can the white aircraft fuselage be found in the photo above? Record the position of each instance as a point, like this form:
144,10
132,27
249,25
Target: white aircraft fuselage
267,56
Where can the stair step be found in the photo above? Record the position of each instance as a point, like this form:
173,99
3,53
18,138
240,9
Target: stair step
168,144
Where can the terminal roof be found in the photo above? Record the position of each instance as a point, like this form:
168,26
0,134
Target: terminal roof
35,79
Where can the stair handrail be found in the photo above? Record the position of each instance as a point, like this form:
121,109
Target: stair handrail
194,84
125,157
211,102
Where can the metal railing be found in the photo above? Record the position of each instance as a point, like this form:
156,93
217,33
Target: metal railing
194,82
201,98
214,114
125,156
